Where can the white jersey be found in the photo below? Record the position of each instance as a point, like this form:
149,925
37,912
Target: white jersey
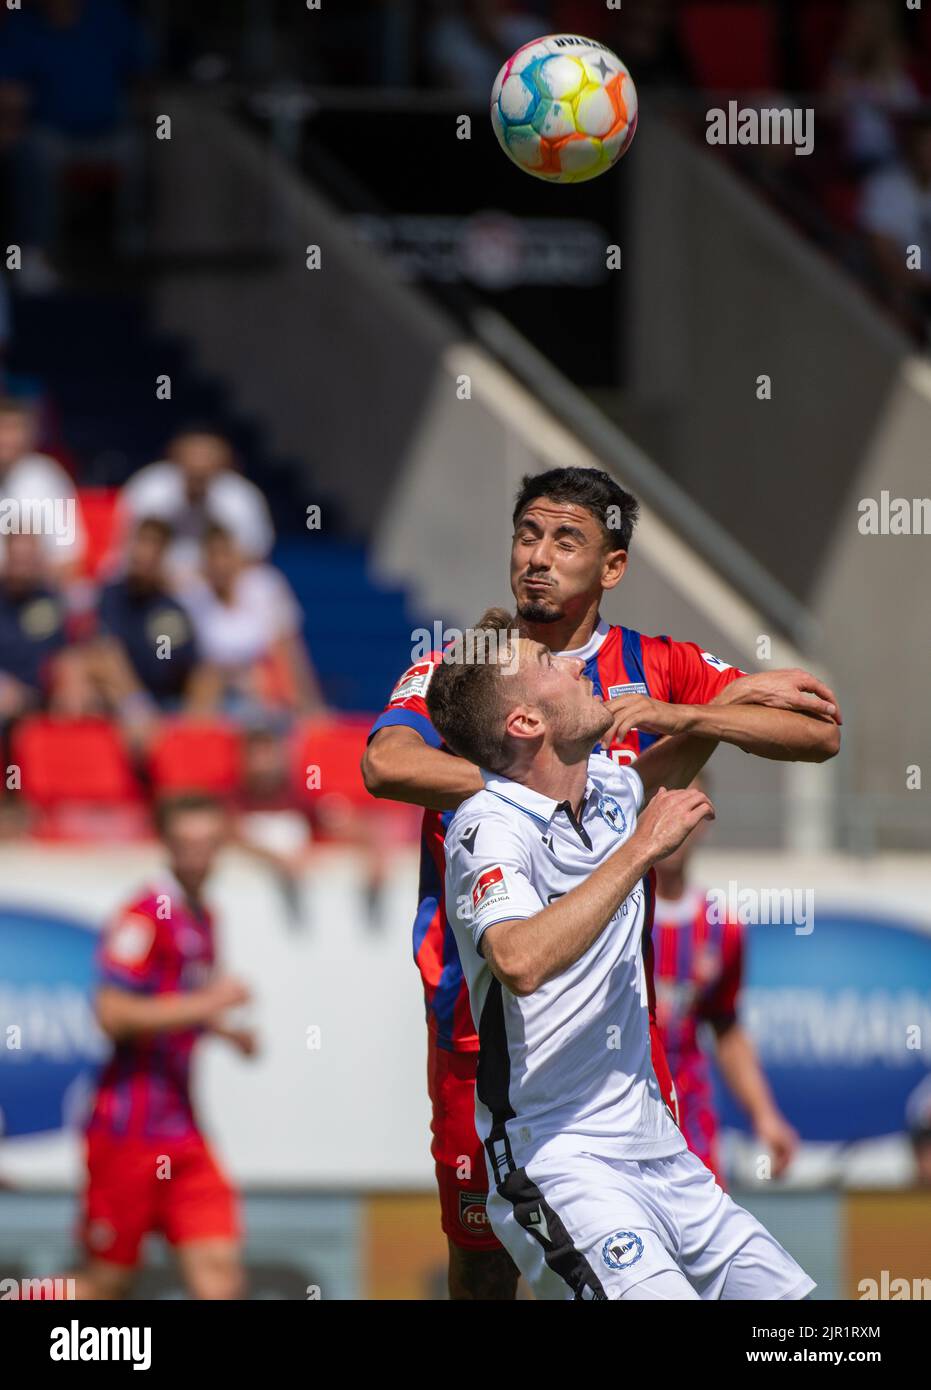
568,1066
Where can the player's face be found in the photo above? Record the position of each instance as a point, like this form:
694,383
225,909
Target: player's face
558,689
559,564
194,838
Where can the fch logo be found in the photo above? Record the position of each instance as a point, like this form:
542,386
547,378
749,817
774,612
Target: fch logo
473,1214
622,1250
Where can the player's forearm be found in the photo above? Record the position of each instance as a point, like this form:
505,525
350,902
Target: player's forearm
526,954
403,767
742,1074
122,1015
673,762
779,734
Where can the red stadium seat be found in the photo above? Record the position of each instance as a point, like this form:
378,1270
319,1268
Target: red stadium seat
196,756
335,747
73,760
733,47
98,508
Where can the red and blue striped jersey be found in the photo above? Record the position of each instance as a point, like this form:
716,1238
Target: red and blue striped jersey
618,661
698,968
158,944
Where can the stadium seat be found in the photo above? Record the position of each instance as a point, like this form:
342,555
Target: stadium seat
336,748
196,756
732,47
98,508
73,760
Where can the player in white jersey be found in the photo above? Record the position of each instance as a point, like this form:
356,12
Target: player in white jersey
593,1190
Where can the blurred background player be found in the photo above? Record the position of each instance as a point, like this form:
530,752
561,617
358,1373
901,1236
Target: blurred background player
149,1166
564,557
698,971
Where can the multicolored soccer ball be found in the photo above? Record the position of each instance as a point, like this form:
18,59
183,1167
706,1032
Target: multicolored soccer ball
564,108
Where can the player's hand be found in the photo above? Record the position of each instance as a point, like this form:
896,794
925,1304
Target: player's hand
641,712
245,1040
227,992
780,1138
791,689
670,817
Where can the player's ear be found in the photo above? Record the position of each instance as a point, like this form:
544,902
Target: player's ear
613,568
523,722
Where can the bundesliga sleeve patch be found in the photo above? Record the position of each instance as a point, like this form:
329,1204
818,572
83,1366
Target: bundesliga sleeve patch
413,683
130,941
490,887
716,662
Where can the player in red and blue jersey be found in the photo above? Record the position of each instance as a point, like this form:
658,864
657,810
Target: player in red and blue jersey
698,973
572,532
149,1167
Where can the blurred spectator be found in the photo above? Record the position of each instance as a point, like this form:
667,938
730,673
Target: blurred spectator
27,477
870,83
467,42
32,631
896,214
144,653
247,625
195,487
65,71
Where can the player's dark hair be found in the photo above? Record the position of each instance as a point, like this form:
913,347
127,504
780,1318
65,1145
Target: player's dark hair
615,508
169,808
465,695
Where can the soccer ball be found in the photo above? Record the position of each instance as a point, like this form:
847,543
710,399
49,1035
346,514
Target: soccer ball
564,108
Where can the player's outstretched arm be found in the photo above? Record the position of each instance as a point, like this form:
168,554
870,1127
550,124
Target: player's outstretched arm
779,734
524,954
124,1015
401,766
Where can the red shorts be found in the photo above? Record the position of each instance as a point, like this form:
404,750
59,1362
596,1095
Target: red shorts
132,1190
457,1150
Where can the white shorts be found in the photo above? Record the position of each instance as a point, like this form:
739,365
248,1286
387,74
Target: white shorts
586,1227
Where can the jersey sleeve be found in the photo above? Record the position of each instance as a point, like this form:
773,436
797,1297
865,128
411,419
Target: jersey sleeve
128,952
697,676
407,704
488,875
718,1005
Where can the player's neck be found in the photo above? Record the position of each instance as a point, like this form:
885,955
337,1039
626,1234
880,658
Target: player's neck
551,775
567,634
191,890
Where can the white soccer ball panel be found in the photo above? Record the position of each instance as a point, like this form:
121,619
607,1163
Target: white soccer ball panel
557,121
579,155
516,99
594,112
560,77
523,144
